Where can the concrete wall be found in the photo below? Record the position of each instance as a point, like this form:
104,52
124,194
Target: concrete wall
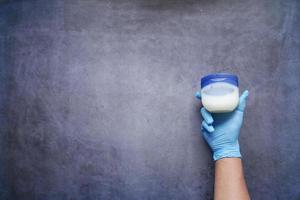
97,96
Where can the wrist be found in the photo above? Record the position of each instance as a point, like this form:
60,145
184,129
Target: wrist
230,151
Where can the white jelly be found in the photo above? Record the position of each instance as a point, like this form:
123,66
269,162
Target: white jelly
218,95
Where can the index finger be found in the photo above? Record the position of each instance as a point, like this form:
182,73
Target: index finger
198,95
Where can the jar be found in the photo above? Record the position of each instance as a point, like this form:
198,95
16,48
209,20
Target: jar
220,92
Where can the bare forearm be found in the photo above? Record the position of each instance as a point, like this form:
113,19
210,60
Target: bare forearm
229,180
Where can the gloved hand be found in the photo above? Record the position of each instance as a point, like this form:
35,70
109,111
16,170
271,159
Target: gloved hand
221,130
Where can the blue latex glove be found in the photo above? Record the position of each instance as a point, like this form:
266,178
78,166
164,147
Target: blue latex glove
221,130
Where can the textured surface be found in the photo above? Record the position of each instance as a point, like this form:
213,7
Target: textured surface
97,96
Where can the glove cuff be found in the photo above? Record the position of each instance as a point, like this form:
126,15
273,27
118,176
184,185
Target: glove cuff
230,152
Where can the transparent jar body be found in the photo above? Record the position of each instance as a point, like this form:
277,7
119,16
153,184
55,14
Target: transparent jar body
220,97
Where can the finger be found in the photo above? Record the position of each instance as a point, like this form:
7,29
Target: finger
198,95
206,116
205,134
243,101
207,127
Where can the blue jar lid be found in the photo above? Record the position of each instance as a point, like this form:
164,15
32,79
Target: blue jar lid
219,77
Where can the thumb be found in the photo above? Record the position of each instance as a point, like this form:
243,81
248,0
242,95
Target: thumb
243,101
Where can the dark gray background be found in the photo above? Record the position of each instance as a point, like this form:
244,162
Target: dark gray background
97,96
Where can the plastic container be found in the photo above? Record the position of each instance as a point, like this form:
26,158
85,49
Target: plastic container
220,92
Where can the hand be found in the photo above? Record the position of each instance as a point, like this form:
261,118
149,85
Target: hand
221,130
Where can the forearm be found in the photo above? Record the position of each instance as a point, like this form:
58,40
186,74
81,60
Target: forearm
229,180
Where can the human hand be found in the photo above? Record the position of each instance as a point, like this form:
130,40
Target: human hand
221,130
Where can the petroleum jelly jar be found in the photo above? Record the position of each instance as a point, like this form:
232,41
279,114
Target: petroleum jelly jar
220,92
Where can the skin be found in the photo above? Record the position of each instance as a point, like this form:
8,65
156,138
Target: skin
229,180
